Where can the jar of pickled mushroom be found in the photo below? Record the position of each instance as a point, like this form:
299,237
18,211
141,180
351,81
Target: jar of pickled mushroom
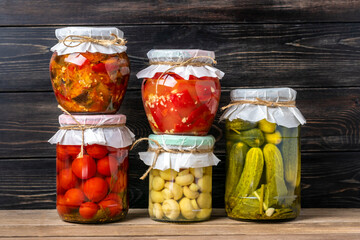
181,91
263,154
92,168
89,69
180,182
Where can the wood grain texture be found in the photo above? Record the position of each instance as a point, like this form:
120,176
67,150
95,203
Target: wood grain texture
47,12
252,55
31,119
311,224
328,180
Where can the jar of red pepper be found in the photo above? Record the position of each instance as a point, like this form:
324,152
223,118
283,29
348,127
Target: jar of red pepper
89,69
91,165
181,91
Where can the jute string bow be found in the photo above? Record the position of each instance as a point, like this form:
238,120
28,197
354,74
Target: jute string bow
190,61
261,102
83,127
160,149
117,41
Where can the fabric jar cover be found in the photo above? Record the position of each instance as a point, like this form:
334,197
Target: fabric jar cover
289,117
178,56
102,33
177,161
117,137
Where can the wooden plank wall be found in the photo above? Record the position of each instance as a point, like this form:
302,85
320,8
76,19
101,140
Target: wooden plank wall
312,46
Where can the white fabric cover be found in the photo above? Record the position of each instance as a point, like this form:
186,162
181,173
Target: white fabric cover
176,55
177,161
118,137
93,32
289,117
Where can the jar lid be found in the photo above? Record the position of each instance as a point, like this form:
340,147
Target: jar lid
180,55
118,136
103,119
161,61
278,106
189,158
268,94
93,32
77,44
184,141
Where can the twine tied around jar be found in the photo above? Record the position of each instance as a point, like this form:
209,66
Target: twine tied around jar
188,62
83,127
261,102
160,149
117,41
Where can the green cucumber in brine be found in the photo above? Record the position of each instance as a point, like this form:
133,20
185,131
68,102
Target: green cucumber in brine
250,177
235,165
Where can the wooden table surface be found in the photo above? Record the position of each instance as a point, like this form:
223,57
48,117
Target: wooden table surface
326,223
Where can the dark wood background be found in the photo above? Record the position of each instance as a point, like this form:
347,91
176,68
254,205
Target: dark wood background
311,46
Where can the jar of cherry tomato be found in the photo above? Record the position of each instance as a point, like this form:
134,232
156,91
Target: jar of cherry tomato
180,182
181,91
92,171
89,69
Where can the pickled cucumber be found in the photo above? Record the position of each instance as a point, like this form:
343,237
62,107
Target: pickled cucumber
239,124
235,166
267,187
250,177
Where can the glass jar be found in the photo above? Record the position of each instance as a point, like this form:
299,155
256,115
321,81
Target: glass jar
263,155
181,100
89,77
92,186
183,196
182,192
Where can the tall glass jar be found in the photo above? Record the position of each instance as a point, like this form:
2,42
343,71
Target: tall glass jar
263,154
181,91
89,69
92,183
180,183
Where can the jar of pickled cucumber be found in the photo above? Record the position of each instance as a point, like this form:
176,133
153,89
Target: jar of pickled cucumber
181,91
89,69
180,182
263,154
92,176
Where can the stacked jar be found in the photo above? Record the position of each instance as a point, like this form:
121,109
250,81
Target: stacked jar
263,154
89,72
181,93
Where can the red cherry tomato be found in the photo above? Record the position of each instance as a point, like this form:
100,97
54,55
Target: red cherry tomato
62,154
67,179
107,166
74,197
73,150
96,151
61,205
113,196
112,206
84,167
59,189
88,210
95,189
60,165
